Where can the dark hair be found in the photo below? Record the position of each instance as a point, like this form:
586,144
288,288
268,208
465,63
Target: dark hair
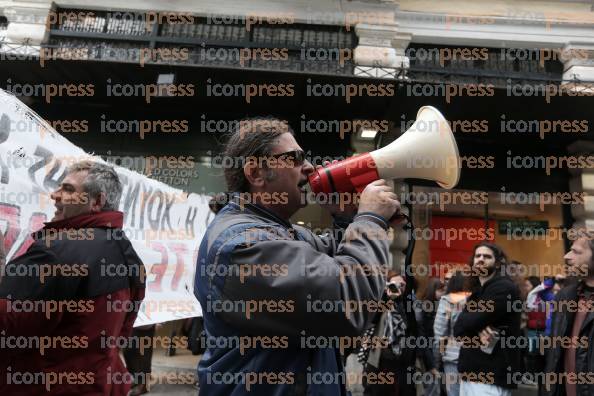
500,261
457,283
218,202
101,179
589,235
498,253
392,273
253,138
432,287
534,280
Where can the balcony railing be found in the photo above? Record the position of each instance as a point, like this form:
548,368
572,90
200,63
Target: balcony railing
127,36
121,37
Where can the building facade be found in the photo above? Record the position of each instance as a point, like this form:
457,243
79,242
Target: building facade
509,75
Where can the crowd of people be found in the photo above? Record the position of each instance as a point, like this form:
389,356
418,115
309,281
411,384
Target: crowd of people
290,333
485,331
441,319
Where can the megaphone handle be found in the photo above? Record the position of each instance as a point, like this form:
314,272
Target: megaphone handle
397,218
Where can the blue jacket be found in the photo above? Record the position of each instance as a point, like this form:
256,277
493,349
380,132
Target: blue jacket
273,298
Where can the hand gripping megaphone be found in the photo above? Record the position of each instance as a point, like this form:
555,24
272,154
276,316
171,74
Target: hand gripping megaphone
427,150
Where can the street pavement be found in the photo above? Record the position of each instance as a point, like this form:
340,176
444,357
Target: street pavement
166,368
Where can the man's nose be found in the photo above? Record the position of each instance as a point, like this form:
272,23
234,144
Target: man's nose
307,167
55,195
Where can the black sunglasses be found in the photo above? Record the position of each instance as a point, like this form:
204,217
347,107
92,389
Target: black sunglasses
290,158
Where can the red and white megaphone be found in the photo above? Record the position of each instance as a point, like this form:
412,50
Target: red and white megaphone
427,150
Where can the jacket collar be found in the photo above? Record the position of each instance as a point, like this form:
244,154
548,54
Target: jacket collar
108,219
569,293
238,203
496,277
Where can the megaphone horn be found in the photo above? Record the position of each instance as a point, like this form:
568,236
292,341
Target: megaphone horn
427,150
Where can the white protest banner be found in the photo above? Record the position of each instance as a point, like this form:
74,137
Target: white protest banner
165,225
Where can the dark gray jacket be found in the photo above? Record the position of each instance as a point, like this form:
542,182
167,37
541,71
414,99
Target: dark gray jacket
309,269
561,326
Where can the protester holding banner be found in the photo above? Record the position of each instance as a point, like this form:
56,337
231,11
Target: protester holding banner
262,281
62,314
164,224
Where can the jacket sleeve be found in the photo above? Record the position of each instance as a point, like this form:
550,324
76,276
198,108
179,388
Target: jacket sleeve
426,353
136,296
24,324
328,241
315,293
35,282
440,329
486,311
17,286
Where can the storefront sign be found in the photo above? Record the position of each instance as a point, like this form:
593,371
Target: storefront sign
510,227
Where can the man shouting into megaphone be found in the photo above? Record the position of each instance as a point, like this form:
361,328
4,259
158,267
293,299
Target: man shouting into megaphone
279,302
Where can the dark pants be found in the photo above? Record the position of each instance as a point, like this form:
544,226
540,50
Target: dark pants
139,365
533,360
401,386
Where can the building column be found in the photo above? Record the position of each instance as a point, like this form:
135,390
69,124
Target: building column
381,51
582,182
28,22
578,67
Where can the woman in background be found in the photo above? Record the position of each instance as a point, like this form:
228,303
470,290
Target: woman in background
395,357
425,311
446,348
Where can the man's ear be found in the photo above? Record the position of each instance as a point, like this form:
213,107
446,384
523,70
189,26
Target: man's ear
254,174
98,202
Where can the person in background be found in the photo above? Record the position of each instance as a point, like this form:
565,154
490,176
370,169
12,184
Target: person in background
569,365
447,348
530,283
395,357
96,290
533,323
447,277
485,363
559,283
139,359
536,304
433,293
425,311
